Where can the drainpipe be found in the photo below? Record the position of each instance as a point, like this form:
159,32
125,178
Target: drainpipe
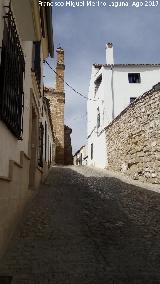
112,89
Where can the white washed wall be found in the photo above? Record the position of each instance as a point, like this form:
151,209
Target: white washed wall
111,103
123,90
10,147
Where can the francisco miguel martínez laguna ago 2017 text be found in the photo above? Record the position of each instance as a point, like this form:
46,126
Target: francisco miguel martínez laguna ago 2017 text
115,4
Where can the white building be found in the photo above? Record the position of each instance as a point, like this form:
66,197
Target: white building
46,154
112,88
26,39
80,157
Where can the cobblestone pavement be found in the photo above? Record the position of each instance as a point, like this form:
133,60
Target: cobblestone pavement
86,227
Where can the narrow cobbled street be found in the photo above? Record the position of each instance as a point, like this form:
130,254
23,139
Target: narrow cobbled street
85,227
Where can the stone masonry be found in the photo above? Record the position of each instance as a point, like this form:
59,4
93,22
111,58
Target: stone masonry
133,138
60,71
68,158
56,97
57,101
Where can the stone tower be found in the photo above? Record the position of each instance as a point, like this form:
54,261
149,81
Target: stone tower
63,153
58,107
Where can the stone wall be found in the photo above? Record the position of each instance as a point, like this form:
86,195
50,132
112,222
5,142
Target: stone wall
57,101
56,98
60,70
133,138
68,158
57,114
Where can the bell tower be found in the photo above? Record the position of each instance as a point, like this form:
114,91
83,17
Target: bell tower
59,101
63,152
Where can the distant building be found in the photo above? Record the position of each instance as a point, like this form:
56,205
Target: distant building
48,157
112,88
80,157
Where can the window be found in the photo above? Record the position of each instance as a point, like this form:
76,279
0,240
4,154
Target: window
132,99
98,118
12,68
81,159
92,151
97,83
134,78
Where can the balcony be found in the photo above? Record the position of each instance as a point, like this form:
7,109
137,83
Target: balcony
12,68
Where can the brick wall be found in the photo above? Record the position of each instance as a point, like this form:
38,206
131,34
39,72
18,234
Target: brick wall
133,139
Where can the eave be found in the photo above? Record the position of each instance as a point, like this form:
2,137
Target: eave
50,31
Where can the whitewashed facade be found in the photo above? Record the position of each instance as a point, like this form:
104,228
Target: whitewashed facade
26,39
48,142
81,157
112,88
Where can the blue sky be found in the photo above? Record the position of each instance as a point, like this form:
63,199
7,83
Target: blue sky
83,33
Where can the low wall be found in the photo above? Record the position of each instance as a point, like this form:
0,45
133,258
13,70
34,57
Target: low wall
133,139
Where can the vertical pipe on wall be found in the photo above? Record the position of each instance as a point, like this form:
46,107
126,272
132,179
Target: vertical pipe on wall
112,88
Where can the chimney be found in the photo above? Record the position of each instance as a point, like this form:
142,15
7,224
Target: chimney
109,54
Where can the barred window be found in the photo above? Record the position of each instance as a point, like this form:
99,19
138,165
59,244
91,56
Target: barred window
12,68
